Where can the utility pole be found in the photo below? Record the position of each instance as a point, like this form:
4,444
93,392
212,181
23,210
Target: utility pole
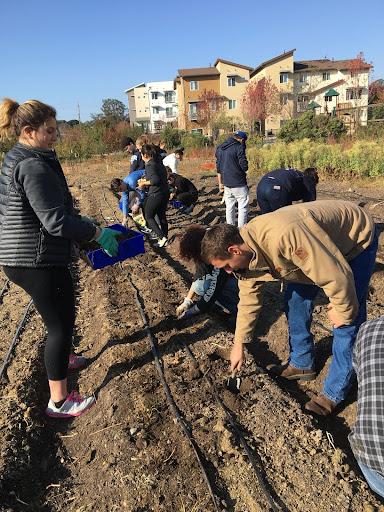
78,112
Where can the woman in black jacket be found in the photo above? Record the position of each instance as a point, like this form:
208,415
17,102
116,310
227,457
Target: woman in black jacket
37,226
158,193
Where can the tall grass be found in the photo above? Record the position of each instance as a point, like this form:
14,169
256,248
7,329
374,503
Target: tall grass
350,159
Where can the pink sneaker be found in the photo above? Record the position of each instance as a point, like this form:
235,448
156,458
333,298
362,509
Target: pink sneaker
76,362
74,405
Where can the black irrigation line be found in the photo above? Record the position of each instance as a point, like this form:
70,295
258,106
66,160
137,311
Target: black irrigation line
172,404
4,290
186,429
15,338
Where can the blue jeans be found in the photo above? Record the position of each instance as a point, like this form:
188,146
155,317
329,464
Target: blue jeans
299,307
271,195
373,478
228,296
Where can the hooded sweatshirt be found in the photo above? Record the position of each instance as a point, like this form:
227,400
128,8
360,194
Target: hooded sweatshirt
232,163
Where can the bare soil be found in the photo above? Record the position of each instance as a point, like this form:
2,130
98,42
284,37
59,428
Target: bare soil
128,452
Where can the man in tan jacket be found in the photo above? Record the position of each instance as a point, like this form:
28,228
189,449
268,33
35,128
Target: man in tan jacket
324,244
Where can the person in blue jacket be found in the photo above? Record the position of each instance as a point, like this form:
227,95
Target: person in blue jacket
232,167
131,196
281,187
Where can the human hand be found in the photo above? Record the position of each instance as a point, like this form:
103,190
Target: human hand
237,357
124,222
108,242
193,311
186,304
221,188
334,317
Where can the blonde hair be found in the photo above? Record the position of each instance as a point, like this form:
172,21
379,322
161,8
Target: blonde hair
13,116
143,139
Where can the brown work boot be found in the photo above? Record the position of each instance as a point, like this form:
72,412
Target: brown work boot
289,372
320,405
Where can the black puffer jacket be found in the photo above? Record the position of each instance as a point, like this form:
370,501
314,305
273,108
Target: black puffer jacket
37,218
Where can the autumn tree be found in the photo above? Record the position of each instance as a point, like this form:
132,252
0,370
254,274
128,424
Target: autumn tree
209,107
260,100
357,68
112,111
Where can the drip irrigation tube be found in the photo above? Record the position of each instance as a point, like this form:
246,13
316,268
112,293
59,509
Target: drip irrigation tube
15,338
252,459
185,428
4,289
153,344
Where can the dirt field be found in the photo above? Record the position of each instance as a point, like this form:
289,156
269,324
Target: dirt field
128,452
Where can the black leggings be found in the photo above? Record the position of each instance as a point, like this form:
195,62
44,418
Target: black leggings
187,198
51,290
157,204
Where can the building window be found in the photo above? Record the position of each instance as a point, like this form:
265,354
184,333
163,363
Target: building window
303,78
284,98
155,95
169,112
302,99
169,97
193,108
194,85
353,94
231,81
155,110
284,78
326,75
197,130
231,104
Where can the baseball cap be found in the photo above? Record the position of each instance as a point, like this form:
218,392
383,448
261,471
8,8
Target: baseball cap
241,134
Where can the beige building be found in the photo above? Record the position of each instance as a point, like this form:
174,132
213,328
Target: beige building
138,106
325,85
227,79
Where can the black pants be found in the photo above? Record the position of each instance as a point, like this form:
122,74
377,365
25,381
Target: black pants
187,198
51,290
156,204
271,196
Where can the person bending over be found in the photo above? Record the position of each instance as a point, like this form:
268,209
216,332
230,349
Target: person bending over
132,197
183,190
158,193
281,187
366,438
323,244
213,287
172,160
38,225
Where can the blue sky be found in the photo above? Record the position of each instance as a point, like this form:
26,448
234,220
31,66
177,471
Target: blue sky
83,51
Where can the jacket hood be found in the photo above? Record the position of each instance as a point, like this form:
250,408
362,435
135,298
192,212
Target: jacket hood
229,142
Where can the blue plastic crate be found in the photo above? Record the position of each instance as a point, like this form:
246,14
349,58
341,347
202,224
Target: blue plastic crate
176,204
127,249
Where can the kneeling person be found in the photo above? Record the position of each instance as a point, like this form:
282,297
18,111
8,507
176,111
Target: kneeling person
214,287
183,190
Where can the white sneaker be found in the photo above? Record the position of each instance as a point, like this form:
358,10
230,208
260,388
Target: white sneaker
74,405
162,243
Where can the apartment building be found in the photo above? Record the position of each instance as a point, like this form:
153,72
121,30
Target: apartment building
152,105
324,85
226,79
138,106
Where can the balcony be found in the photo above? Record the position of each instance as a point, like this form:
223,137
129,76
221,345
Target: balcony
192,116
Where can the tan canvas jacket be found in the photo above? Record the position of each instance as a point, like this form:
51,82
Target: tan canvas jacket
308,243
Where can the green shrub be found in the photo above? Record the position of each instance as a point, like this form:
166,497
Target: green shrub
313,127
194,140
357,159
171,136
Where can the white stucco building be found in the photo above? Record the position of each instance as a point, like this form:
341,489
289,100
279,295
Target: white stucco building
152,105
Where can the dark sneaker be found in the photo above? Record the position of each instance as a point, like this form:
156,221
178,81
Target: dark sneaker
320,405
286,371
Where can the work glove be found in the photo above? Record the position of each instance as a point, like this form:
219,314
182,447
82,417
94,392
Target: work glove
193,311
108,241
186,304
